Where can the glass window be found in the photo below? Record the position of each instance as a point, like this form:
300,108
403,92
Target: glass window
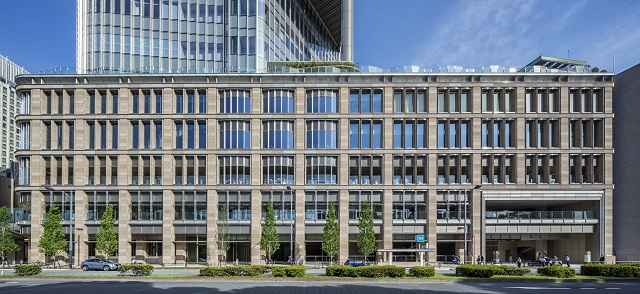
322,101
235,101
278,101
322,134
179,135
202,132
278,134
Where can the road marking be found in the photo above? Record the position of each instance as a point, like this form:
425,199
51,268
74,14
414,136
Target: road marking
587,288
612,288
11,282
537,288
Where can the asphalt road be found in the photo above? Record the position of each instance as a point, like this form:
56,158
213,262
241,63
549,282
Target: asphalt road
237,286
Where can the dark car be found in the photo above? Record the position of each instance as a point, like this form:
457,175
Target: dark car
355,262
98,264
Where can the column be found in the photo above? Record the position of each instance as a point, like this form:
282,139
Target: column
168,230
124,231
343,221
299,245
212,227
256,226
387,222
432,215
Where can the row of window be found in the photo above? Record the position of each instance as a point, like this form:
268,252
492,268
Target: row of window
323,134
324,169
361,100
236,205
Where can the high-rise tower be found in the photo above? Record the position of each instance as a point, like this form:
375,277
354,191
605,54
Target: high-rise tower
209,36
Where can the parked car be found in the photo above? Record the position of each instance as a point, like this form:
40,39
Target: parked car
355,262
98,264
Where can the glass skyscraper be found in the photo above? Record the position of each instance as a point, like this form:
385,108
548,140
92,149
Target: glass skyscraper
209,36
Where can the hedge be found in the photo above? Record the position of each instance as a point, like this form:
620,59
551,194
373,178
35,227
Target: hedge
611,270
341,271
557,271
253,271
385,271
136,269
488,271
479,271
373,271
27,269
422,271
515,271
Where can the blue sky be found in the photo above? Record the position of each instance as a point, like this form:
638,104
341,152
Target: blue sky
40,34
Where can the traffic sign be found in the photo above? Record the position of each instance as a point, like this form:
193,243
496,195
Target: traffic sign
420,238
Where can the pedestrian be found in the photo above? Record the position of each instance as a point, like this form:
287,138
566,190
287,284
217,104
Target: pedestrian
481,259
519,262
478,260
566,259
289,260
602,258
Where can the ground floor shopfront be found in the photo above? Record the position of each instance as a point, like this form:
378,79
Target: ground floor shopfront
500,225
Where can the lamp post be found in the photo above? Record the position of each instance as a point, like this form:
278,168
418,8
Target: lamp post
70,194
291,218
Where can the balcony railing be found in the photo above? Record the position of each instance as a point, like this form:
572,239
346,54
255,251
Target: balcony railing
539,215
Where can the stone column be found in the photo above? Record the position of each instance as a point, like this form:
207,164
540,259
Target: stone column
124,230
37,216
299,245
386,229
256,226
432,215
168,230
80,229
212,228
343,221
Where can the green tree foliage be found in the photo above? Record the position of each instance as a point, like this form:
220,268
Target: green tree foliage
7,243
52,242
107,237
224,242
269,237
331,234
367,237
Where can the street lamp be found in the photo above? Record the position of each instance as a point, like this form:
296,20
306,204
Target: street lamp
466,199
290,224
70,221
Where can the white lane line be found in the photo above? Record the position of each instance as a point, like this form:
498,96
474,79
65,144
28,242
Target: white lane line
11,282
537,288
612,288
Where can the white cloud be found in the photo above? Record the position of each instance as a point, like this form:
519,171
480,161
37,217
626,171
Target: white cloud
480,31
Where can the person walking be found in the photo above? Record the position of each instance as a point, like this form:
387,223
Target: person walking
519,262
478,260
566,259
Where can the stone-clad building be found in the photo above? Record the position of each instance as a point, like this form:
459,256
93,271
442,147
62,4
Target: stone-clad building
170,150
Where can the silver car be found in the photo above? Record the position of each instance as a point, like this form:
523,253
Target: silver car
98,264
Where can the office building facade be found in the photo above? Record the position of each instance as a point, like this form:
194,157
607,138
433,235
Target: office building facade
170,151
625,204
209,36
10,108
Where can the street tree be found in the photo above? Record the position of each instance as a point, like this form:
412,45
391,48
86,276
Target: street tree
52,241
107,237
367,236
269,237
224,240
7,243
331,234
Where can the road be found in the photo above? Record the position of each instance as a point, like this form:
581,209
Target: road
292,286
